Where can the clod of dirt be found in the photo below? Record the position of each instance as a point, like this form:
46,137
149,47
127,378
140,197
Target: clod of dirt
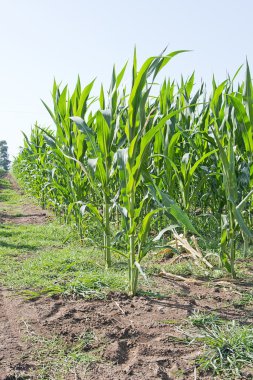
116,352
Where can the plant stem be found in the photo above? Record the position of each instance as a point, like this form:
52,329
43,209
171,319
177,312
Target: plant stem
232,240
133,272
107,237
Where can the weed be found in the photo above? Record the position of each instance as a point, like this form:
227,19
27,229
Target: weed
227,349
200,319
58,359
246,299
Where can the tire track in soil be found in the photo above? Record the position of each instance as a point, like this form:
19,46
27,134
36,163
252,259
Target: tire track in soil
19,320
13,311
10,340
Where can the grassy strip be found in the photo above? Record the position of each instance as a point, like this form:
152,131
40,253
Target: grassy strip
37,259
56,359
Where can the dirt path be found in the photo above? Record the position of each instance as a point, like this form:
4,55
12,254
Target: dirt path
14,312
10,344
27,213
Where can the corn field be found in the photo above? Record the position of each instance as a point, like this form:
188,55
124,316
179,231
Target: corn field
134,165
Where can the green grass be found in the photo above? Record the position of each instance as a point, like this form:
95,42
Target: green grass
50,258
201,319
57,359
10,199
34,258
227,349
245,300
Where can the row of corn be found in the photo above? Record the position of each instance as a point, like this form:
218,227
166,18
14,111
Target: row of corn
139,164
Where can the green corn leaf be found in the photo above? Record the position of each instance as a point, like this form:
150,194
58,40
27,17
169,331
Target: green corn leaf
162,61
103,135
133,148
229,174
26,139
49,111
244,122
102,98
80,146
248,93
241,223
145,225
103,174
189,85
216,96
179,215
185,163
82,104
171,208
237,72
145,141
164,230
243,202
70,207
131,183
138,266
151,65
135,96
122,158
50,141
92,165
107,116
225,261
134,69
62,103
197,163
93,211
89,134
121,75
143,202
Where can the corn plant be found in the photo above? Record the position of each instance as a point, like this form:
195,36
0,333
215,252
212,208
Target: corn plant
134,161
232,219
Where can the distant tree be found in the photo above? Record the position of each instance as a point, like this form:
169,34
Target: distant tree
4,156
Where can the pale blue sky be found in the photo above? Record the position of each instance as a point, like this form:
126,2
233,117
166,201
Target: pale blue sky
43,39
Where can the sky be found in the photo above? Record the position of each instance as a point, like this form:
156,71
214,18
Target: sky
45,39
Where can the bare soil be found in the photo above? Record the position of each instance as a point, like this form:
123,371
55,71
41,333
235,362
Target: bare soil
28,213
139,338
136,338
